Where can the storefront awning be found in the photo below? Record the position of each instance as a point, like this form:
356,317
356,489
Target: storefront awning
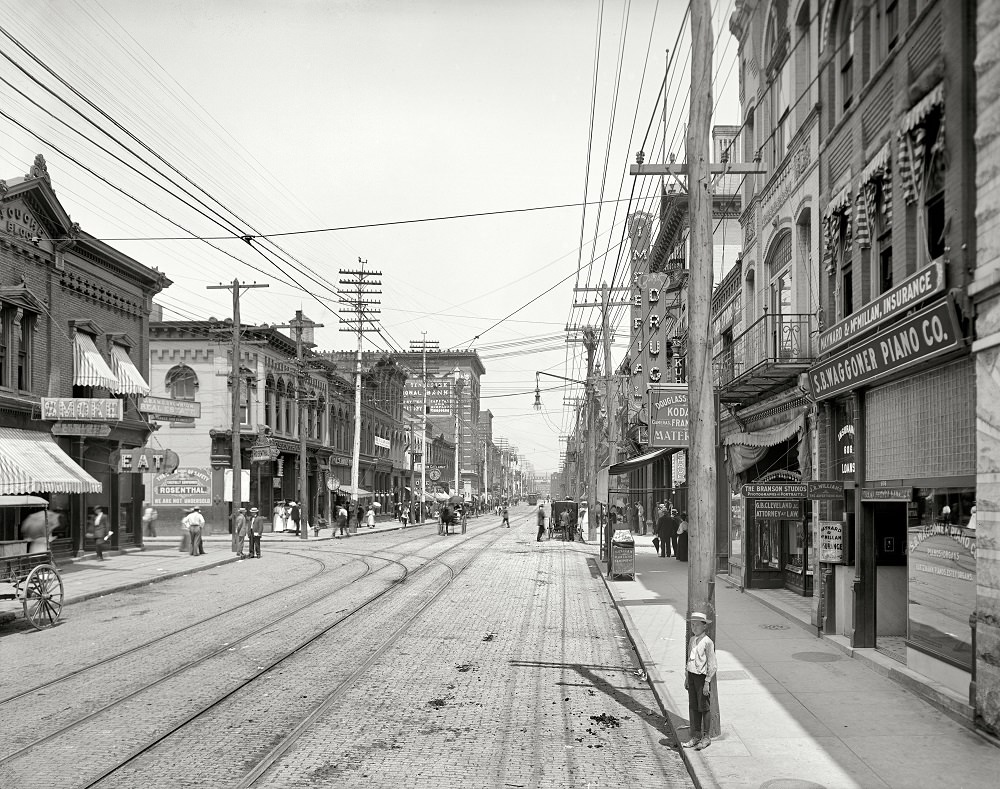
129,379
639,461
32,462
348,490
744,450
89,367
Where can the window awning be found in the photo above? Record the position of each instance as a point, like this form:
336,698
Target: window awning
129,379
361,492
639,461
89,367
32,462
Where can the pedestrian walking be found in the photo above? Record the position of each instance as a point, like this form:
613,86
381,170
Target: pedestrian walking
277,522
665,526
506,517
641,517
701,668
255,529
195,522
185,546
370,517
241,531
360,516
564,523
342,522
149,517
674,525
404,516
541,522
295,516
101,532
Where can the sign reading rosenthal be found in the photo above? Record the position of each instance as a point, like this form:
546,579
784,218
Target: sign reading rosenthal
668,416
904,296
82,409
924,335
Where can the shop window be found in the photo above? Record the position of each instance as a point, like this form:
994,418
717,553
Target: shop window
845,54
5,344
847,288
885,263
892,23
24,351
182,383
769,545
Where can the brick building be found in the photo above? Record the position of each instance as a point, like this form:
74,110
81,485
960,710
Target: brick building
74,318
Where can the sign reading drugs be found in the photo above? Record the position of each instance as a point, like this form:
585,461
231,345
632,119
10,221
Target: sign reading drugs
929,333
669,416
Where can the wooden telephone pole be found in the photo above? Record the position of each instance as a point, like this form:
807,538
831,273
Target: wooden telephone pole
360,312
235,381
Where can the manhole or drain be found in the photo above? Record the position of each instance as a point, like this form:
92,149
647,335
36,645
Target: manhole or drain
790,783
816,657
775,627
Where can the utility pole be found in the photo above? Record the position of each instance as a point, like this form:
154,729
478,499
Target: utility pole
360,284
298,325
235,382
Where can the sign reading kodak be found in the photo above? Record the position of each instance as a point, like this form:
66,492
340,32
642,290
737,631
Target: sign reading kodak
931,332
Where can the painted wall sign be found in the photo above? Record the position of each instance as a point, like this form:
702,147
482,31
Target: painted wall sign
887,494
166,407
82,409
825,489
931,332
831,542
774,490
907,294
186,487
777,509
669,416
144,461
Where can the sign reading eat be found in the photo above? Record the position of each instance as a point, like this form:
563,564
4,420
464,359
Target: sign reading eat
144,461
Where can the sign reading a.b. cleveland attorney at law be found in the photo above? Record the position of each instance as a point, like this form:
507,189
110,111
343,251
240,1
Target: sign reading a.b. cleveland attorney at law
669,416
931,332
895,301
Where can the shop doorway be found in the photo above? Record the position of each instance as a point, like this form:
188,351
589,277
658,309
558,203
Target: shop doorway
889,520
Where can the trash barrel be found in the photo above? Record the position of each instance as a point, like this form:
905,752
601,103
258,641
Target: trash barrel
623,554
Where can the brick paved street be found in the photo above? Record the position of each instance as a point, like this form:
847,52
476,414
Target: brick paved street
517,673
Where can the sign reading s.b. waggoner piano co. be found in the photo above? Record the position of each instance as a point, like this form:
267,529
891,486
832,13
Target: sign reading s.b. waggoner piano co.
931,332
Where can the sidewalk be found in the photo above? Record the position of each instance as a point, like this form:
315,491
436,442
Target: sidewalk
796,710
84,577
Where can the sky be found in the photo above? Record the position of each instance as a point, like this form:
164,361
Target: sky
341,125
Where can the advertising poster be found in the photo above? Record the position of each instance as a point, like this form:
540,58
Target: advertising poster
185,487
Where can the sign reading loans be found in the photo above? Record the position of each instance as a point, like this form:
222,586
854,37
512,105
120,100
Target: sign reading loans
908,293
668,416
931,332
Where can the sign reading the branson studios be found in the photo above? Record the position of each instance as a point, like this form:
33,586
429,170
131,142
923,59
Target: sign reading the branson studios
931,332
668,416
906,295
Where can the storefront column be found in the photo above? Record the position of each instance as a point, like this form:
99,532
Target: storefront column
863,586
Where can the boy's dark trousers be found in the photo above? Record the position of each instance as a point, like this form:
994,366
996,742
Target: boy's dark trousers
698,706
541,531
254,545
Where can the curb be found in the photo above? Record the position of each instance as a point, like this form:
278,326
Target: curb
653,678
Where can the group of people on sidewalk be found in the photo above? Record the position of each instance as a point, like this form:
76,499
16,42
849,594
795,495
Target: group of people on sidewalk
671,532
251,526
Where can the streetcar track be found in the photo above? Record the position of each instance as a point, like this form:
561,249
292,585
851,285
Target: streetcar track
242,684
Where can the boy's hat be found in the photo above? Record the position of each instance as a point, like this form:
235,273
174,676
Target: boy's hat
698,616
254,509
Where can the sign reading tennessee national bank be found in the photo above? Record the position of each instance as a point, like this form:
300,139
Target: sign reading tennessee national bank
906,295
931,332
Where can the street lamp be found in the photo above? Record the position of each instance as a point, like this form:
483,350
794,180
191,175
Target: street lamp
538,391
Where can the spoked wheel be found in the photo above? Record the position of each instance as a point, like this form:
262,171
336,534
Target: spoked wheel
43,596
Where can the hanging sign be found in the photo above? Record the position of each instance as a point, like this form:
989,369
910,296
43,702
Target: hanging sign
777,509
825,489
82,409
774,490
669,416
168,408
144,461
81,429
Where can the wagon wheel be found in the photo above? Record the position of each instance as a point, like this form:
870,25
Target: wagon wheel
43,596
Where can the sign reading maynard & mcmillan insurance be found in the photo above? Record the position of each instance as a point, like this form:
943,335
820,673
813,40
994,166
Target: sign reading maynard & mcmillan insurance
931,332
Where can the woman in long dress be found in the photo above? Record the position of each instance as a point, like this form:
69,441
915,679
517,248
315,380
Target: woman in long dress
276,522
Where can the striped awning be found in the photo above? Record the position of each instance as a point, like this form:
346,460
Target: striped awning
89,367
32,462
130,380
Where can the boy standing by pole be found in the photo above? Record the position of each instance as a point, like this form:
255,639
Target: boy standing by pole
256,529
701,668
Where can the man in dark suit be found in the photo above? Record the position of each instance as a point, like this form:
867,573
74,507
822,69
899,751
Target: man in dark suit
295,515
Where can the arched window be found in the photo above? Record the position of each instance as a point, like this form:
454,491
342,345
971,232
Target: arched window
182,383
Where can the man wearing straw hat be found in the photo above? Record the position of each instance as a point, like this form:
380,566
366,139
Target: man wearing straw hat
701,668
255,528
